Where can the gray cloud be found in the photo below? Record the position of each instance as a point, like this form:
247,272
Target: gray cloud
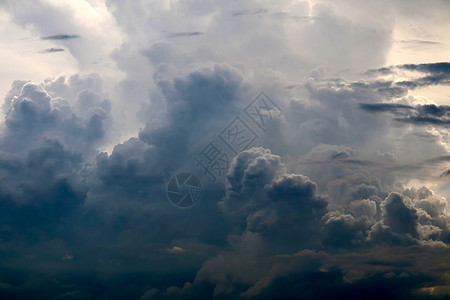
320,210
412,43
184,34
383,107
436,73
446,173
266,200
52,50
399,222
250,12
61,37
419,115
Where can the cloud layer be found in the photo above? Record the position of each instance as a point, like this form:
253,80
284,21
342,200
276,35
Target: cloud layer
340,195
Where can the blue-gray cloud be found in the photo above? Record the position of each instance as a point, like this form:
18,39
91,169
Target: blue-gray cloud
61,37
185,34
419,115
435,73
320,210
52,50
78,198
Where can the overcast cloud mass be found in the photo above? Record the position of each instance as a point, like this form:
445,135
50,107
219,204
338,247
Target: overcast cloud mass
338,190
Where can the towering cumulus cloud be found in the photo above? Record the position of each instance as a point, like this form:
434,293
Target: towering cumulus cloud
311,137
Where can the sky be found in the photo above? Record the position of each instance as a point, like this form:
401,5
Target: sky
196,149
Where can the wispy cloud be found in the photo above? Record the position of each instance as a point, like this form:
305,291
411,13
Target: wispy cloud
61,37
244,12
52,50
184,34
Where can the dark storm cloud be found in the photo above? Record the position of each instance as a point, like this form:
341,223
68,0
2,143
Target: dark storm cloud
198,105
316,275
431,113
104,212
399,215
130,182
398,272
52,50
436,74
434,68
277,206
61,37
322,214
384,107
43,147
41,190
400,258
446,173
420,115
259,190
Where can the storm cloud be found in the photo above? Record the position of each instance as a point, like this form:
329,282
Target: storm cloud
420,114
337,191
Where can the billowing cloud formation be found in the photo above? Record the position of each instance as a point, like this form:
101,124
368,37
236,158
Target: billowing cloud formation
327,202
270,221
276,209
283,208
44,145
32,114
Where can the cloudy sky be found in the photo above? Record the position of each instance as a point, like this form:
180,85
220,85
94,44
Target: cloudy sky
192,149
